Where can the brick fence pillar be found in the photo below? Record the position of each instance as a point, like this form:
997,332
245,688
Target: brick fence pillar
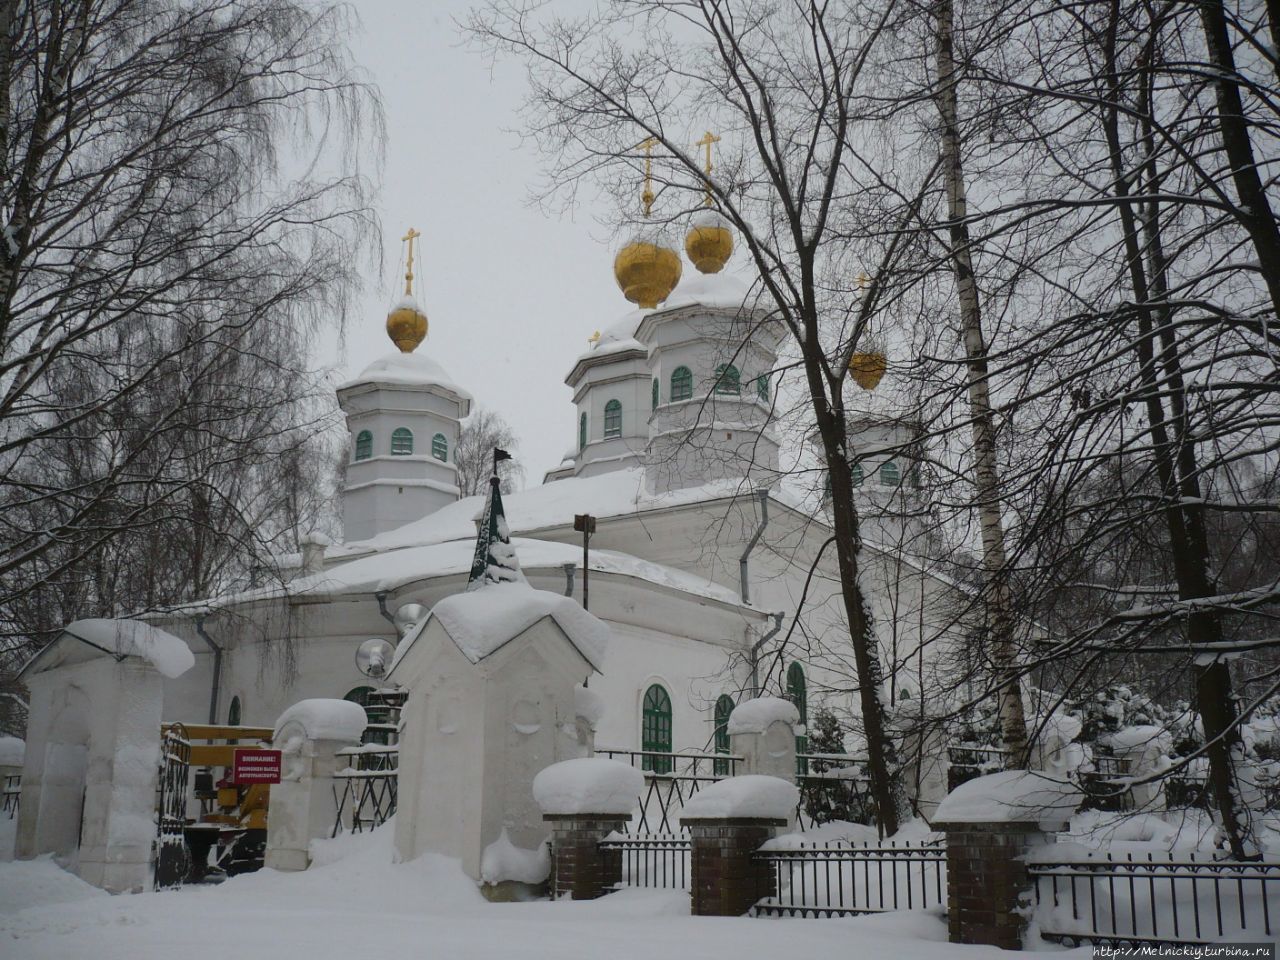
987,881
727,879
579,867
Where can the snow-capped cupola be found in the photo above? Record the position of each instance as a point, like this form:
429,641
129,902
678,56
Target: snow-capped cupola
403,414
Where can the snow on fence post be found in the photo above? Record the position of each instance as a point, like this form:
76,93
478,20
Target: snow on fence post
992,824
728,822
584,801
309,735
762,732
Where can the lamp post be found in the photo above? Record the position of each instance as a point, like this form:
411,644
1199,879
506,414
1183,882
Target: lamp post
584,524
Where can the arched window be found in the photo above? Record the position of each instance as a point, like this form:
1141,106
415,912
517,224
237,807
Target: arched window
401,442
377,713
727,380
233,715
656,393
762,386
655,728
798,693
364,445
889,476
582,433
612,419
681,384
724,707
440,447
856,470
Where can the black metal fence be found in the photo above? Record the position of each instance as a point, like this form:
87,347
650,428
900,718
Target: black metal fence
365,792
833,786
841,878
665,793
1177,898
12,793
654,860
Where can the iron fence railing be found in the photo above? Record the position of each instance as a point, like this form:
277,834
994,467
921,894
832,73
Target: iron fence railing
12,794
653,860
842,877
364,792
834,786
665,793
1177,898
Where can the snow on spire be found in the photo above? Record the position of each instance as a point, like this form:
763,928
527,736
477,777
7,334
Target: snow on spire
495,558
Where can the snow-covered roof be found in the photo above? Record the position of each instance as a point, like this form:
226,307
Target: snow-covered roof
133,638
709,290
412,369
481,621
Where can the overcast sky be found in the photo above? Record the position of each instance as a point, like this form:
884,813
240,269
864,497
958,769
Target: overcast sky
512,294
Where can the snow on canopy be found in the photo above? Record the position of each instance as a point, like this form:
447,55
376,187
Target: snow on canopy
410,369
133,638
12,751
1011,796
588,785
482,621
326,719
756,716
752,795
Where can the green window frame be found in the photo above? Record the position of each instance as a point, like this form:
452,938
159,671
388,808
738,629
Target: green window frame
440,447
234,713
724,707
858,478
762,387
657,390
401,442
798,693
655,728
681,384
376,714
364,445
582,432
728,381
889,474
612,419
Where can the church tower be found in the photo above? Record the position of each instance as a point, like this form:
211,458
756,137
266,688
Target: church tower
403,414
610,385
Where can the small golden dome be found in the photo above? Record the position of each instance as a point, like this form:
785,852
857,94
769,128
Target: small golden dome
647,270
407,325
709,242
868,368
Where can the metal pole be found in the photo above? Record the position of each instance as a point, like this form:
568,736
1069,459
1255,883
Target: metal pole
585,524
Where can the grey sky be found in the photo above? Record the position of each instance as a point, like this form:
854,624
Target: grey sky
512,294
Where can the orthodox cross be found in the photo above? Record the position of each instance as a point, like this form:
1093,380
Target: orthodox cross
408,272
707,140
647,197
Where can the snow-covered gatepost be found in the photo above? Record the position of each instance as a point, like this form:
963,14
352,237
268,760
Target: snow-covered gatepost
491,676
585,800
308,735
763,732
728,822
93,748
992,824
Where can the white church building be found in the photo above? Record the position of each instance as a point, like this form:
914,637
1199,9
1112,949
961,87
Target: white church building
700,560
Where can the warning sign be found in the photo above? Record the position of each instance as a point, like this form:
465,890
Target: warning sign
256,765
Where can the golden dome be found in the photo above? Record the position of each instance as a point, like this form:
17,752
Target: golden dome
868,368
709,242
647,270
406,325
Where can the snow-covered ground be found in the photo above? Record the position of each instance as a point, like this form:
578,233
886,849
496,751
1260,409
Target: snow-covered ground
355,902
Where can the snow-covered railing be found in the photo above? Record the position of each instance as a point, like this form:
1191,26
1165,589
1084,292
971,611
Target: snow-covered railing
833,786
1156,898
12,791
837,878
653,860
364,792
965,761
671,778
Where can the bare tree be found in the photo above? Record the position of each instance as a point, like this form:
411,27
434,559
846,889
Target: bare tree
480,434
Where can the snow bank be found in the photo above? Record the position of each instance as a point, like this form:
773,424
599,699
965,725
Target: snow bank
133,638
482,621
1011,796
502,860
588,785
588,705
325,719
756,716
12,750
752,795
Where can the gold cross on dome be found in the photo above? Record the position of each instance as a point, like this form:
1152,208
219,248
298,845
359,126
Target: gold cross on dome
647,197
408,272
594,338
707,140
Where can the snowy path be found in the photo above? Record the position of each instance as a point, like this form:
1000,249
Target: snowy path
360,905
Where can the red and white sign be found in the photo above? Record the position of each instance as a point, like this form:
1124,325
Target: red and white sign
256,765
